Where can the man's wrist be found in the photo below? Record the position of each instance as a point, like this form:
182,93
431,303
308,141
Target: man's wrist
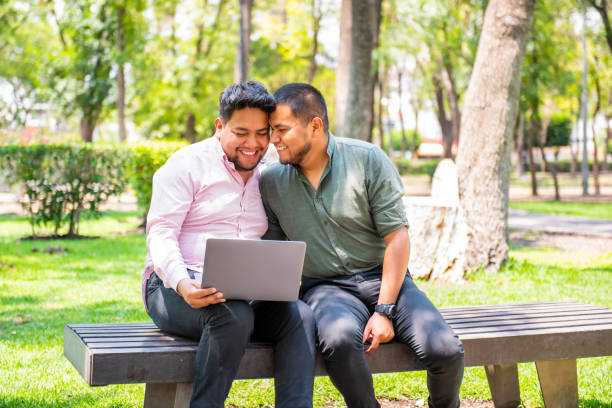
388,310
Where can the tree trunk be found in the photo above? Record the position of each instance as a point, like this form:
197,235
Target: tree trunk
595,161
453,103
344,64
87,128
445,124
602,8
316,27
364,34
121,76
241,69
379,113
401,115
190,130
533,125
415,107
595,112
574,162
551,166
489,115
604,166
520,144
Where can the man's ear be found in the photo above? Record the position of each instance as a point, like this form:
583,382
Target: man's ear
218,125
317,126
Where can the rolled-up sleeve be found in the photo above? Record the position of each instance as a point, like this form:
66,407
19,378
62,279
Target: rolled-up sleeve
385,192
171,200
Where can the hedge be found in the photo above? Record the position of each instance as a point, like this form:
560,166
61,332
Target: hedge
420,166
142,161
59,182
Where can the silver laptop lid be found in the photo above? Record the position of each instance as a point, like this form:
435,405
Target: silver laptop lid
254,269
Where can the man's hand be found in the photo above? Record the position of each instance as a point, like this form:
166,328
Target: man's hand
378,330
195,296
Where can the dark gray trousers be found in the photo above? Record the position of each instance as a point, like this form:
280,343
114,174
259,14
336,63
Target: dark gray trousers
342,307
224,330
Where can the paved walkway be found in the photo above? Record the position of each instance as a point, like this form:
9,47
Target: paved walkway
564,224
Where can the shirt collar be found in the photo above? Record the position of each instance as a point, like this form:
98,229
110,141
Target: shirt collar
331,145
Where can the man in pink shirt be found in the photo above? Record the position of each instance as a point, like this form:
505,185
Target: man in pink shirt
211,189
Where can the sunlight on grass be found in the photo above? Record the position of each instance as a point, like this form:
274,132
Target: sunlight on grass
98,280
591,210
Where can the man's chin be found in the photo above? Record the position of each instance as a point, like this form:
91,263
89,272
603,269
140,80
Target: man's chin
246,167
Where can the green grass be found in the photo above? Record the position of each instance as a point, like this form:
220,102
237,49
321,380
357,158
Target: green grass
98,280
564,179
591,210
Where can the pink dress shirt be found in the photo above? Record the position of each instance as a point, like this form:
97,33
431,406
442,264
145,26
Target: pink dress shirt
198,194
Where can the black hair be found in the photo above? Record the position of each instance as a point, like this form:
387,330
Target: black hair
240,95
306,102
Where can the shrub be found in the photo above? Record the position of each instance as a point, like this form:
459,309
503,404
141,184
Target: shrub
415,167
142,161
558,132
396,137
59,181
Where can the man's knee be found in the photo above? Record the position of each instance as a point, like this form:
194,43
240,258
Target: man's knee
445,354
234,316
339,338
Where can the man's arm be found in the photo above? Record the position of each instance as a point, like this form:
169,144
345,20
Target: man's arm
171,200
379,328
274,232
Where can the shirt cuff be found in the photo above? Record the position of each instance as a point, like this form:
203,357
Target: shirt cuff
176,273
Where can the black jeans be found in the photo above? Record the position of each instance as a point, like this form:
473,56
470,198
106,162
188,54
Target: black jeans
224,330
342,307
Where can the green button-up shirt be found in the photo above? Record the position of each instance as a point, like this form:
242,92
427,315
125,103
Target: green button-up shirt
344,221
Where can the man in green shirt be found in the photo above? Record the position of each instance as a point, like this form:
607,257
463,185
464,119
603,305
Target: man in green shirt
343,197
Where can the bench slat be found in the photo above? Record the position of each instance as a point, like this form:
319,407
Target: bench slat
541,322
476,318
526,310
535,326
511,306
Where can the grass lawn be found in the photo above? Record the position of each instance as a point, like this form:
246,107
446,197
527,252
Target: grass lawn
98,280
591,210
564,179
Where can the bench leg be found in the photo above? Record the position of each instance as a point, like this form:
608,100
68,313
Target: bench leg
165,395
559,383
503,382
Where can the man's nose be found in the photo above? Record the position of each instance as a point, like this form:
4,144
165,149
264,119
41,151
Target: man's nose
251,140
274,137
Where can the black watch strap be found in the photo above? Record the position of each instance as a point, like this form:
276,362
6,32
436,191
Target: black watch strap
387,309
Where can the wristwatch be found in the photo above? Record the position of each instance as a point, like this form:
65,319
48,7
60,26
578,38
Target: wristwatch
386,310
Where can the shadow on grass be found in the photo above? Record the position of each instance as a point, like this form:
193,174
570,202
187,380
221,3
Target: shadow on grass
591,403
20,300
46,326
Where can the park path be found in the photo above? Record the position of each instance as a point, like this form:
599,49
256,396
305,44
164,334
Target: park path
563,224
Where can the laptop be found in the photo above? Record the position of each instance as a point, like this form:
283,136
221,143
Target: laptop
254,269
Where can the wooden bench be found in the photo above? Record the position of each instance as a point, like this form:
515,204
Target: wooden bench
553,335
